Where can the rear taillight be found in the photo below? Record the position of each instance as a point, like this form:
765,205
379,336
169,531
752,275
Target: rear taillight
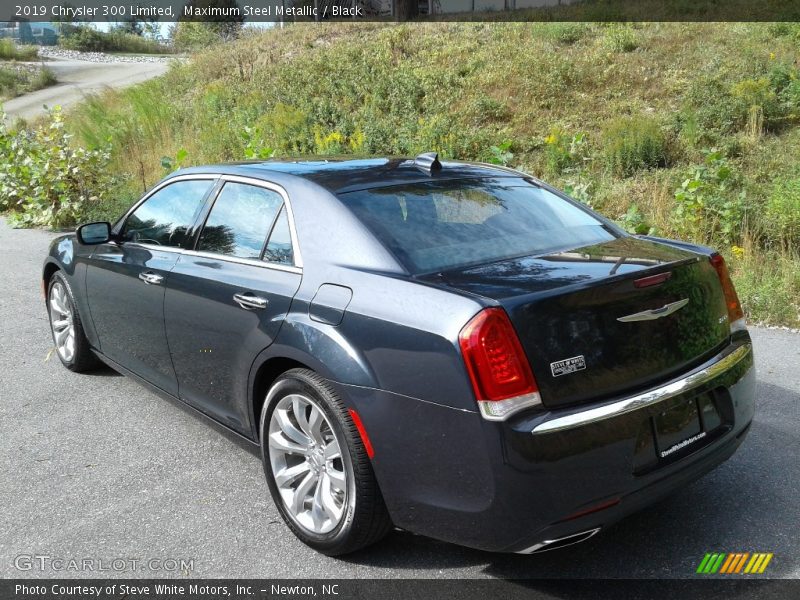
735,313
498,368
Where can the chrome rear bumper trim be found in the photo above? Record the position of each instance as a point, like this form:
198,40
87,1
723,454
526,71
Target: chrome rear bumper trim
627,405
562,542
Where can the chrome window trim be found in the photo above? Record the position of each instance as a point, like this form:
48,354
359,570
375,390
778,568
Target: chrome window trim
298,258
212,177
156,247
244,261
648,398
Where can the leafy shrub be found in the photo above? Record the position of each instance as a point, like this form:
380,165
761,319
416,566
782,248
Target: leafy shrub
756,105
710,103
708,207
254,146
633,143
501,154
287,130
173,163
564,152
580,190
781,218
337,143
46,181
633,221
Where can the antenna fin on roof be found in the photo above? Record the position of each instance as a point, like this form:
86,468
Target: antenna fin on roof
428,161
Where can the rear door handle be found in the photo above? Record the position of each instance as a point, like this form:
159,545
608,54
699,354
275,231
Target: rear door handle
248,301
151,278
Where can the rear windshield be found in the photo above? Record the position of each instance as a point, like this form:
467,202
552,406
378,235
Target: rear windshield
436,226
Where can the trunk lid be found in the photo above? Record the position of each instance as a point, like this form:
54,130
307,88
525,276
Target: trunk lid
566,309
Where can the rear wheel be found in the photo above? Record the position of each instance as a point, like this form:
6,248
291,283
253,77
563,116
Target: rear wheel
70,340
318,471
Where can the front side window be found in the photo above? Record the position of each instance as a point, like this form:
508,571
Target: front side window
165,218
436,226
240,221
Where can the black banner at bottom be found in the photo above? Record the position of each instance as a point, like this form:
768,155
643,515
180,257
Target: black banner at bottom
411,589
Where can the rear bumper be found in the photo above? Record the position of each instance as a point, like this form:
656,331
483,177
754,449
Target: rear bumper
508,486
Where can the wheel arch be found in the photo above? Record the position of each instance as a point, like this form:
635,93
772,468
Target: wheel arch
261,380
50,268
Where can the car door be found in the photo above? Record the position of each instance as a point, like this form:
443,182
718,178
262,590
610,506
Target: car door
226,300
125,279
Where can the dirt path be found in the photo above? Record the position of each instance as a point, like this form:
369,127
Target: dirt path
76,79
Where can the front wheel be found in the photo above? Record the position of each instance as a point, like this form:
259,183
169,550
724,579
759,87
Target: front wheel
318,471
70,340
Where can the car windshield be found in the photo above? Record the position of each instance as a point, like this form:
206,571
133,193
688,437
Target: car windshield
440,225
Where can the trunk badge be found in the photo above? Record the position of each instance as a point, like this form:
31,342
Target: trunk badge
568,365
656,313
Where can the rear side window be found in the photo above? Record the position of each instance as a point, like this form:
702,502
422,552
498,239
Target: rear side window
166,216
437,226
279,247
240,220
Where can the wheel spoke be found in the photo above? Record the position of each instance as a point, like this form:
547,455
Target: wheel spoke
60,324
288,428
55,303
315,422
326,497
289,475
302,492
279,441
62,301
319,512
299,410
337,479
332,450
62,336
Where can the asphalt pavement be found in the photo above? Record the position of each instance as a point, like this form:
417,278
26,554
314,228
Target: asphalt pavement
97,467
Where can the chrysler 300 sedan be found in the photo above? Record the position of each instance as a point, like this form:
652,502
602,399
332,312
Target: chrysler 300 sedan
454,349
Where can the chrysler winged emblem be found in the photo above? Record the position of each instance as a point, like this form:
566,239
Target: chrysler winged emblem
656,313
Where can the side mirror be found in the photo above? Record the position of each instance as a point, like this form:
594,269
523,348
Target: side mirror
94,233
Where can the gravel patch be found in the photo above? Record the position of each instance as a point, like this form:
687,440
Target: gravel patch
101,57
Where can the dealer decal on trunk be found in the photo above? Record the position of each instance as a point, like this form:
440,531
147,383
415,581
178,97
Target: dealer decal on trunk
568,365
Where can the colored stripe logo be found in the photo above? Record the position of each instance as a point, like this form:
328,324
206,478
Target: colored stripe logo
733,563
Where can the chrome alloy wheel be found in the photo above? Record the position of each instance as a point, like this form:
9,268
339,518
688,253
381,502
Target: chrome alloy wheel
61,320
306,458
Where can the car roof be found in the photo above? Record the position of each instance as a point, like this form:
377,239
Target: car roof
339,175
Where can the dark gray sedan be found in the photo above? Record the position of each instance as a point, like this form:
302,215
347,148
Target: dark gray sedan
458,350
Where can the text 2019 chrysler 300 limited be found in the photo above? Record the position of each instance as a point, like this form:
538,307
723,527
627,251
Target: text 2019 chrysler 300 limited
455,349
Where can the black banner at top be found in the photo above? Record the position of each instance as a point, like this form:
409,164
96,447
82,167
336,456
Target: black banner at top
15,11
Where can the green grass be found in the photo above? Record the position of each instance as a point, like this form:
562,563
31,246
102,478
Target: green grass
11,51
15,82
636,109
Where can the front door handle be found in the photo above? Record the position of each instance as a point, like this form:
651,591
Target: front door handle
248,301
151,278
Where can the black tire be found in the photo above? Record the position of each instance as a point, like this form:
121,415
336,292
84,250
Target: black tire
365,519
82,359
